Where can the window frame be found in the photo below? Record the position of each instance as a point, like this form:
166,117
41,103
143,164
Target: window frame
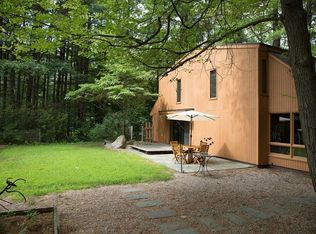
213,75
179,91
292,146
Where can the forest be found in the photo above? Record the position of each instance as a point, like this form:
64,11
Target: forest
87,70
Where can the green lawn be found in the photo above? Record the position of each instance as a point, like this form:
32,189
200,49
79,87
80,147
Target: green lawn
60,167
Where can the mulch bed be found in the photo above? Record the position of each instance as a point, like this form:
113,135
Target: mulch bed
35,221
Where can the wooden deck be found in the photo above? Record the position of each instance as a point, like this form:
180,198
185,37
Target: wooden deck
153,148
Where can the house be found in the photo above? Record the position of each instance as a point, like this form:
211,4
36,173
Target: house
250,88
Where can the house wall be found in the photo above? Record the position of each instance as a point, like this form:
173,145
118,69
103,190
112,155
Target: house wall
282,99
236,130
263,102
242,129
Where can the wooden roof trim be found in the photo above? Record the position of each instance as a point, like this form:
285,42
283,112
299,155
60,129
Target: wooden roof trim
175,110
279,60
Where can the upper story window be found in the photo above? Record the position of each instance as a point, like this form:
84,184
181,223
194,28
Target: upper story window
264,77
213,88
179,90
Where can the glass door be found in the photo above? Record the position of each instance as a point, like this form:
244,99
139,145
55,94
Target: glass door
180,131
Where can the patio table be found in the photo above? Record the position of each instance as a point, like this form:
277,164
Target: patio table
190,151
202,159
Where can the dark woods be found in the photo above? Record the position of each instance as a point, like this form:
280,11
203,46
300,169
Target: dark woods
32,91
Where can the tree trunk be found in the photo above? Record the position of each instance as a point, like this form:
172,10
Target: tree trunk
294,18
18,92
12,86
275,25
4,90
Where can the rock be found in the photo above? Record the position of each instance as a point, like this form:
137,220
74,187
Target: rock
119,143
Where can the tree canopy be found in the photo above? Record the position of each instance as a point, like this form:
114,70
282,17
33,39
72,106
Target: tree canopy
88,48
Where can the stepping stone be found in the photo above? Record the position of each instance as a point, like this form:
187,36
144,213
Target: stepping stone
184,231
256,213
138,196
162,213
148,203
272,208
235,219
212,224
131,190
174,228
309,201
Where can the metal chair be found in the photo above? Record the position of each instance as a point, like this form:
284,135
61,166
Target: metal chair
202,157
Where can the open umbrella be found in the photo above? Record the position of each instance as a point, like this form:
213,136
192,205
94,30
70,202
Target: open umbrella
191,116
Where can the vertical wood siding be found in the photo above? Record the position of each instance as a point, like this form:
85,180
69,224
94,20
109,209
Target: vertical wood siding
235,132
288,163
282,95
282,99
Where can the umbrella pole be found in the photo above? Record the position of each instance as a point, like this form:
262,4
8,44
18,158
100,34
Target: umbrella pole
191,131
181,164
181,160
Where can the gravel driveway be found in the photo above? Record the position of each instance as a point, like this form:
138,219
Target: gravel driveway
249,200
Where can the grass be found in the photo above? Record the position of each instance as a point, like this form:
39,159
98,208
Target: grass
60,167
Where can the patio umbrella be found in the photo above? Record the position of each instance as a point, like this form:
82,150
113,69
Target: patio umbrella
191,116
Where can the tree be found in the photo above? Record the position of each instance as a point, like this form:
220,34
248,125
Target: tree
122,84
294,18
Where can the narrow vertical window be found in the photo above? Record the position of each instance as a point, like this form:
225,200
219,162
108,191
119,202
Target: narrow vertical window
213,89
264,77
178,90
299,151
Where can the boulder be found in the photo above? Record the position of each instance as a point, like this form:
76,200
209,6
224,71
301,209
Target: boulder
119,143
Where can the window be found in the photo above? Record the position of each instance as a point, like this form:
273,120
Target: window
213,90
286,135
298,137
280,149
280,128
300,152
178,90
264,78
298,133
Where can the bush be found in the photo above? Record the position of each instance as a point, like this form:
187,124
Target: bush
110,128
25,125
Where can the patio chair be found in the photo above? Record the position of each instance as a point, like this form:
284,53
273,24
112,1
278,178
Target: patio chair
178,153
203,148
202,157
173,143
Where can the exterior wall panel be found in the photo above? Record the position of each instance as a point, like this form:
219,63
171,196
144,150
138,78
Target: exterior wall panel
282,99
263,109
235,132
285,162
282,94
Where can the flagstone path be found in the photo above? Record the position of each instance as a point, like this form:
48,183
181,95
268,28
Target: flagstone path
243,215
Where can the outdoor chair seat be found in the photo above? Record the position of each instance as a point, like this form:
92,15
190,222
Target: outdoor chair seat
179,153
202,157
203,148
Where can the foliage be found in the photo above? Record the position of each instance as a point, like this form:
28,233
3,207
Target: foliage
25,126
124,86
105,35
60,167
109,129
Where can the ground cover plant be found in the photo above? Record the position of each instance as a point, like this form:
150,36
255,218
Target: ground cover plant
60,167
